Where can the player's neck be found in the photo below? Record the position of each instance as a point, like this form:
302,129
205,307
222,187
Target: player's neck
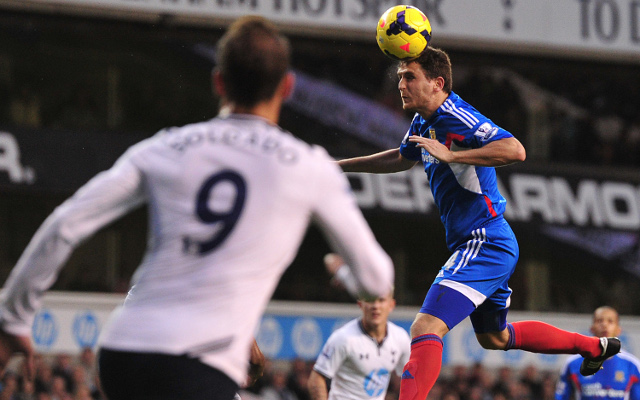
376,331
269,109
433,105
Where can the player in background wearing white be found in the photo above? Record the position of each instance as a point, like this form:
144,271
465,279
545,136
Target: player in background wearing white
359,357
229,202
620,377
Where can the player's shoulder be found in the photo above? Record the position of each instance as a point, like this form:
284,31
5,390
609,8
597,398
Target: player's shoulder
398,335
572,363
630,358
397,329
460,115
345,333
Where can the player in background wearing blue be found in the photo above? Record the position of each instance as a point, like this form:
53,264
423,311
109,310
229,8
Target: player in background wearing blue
459,148
620,378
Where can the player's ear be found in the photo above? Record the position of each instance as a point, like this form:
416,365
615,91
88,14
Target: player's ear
617,331
288,83
440,82
218,84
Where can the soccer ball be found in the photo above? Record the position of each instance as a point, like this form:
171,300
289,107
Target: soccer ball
403,32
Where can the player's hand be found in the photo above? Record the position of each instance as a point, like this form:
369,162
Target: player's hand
11,344
433,147
257,363
333,262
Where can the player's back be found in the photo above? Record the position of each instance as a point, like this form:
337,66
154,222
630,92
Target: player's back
229,202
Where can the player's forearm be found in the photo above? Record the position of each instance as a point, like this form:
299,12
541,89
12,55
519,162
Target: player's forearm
317,386
34,273
385,162
495,154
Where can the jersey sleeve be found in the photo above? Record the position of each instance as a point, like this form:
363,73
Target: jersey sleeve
332,356
408,149
347,232
564,389
485,133
104,198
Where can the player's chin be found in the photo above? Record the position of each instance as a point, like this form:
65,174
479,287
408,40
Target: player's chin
407,106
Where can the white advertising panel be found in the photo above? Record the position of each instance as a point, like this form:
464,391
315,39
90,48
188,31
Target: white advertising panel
70,321
597,27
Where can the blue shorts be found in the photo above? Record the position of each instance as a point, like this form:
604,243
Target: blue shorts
479,270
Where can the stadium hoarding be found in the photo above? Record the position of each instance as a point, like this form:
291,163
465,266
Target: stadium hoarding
539,193
70,321
592,28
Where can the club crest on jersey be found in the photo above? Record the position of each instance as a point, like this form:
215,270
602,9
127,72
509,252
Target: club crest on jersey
619,377
486,131
432,133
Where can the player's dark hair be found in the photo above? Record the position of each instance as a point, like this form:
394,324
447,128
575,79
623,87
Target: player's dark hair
435,62
253,58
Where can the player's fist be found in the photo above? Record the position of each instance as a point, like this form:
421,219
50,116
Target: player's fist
333,262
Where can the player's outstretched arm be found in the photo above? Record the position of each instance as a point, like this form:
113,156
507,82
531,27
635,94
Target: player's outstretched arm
103,199
338,216
385,162
317,385
495,154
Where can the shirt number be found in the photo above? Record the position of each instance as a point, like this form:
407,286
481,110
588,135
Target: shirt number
223,221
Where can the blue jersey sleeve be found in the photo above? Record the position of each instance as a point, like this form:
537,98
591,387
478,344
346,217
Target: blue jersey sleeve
486,132
409,149
634,393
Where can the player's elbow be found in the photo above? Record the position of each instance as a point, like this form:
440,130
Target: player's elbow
519,154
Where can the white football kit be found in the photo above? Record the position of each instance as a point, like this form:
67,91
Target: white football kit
358,366
229,202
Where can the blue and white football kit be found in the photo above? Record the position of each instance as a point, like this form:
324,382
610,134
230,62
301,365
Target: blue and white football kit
619,379
485,250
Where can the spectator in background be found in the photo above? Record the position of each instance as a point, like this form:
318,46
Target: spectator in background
298,378
277,389
620,375
63,367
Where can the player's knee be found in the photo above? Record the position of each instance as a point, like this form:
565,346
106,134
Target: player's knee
427,324
493,340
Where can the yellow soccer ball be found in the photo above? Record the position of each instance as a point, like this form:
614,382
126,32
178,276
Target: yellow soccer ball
403,32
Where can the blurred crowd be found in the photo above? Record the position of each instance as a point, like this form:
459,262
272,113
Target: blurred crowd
57,377
288,381
65,377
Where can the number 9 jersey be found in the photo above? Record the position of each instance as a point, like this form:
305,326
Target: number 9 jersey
229,203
